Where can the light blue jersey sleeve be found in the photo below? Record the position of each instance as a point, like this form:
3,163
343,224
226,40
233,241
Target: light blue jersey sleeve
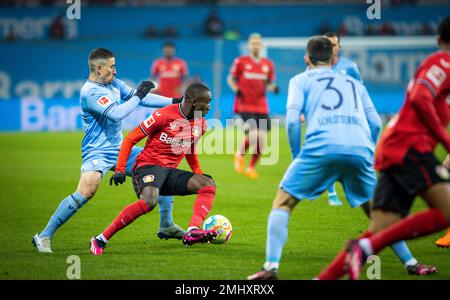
294,108
348,67
372,116
98,102
150,100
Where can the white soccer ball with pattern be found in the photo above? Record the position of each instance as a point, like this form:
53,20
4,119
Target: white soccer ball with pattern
221,225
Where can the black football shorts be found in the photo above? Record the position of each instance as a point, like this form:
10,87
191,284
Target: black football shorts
397,186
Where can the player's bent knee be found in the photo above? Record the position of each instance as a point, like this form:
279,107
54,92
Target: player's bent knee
285,201
150,196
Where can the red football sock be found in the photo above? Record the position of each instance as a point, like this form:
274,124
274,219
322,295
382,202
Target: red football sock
202,205
126,217
245,145
256,155
336,269
414,226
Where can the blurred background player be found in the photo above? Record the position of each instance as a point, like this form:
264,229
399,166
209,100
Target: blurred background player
170,72
407,165
172,133
105,101
345,66
250,76
444,242
339,145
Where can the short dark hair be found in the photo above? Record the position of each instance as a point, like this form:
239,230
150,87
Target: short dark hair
98,54
195,90
444,30
319,49
332,35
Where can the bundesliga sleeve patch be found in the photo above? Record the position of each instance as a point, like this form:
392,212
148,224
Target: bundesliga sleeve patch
436,75
103,101
149,121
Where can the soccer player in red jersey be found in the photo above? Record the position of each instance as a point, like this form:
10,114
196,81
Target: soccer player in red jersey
170,72
249,77
408,167
172,133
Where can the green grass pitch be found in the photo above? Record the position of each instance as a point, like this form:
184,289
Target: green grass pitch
40,169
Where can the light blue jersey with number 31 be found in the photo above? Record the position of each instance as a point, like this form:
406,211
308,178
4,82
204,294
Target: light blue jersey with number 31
339,113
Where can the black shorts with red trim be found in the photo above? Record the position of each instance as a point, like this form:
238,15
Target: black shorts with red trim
256,121
398,186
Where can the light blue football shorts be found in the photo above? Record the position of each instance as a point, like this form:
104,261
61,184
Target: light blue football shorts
107,161
308,176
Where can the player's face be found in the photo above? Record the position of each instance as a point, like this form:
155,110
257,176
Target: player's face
255,45
107,70
336,47
168,51
203,103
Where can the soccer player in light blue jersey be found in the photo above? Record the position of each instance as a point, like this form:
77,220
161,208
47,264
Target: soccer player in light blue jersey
341,134
105,101
346,66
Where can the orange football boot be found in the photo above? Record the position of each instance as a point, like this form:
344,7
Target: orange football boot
444,242
239,163
251,173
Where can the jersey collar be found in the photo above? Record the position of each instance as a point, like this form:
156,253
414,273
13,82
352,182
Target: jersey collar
97,83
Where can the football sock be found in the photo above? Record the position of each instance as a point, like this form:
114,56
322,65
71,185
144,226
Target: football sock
165,211
414,226
126,217
66,209
202,205
336,269
277,234
332,189
244,147
256,155
402,251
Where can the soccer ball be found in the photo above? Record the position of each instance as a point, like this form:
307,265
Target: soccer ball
221,225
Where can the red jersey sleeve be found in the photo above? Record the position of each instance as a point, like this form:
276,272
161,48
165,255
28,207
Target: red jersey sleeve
154,70
129,141
430,81
271,71
435,76
184,69
235,68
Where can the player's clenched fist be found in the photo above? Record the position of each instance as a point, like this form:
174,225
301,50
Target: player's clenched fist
118,178
143,88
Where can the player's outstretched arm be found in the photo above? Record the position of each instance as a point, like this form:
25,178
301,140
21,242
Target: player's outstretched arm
157,101
120,112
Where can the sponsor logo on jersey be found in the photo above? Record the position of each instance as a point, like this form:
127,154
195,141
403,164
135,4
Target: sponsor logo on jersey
103,101
196,131
444,63
174,141
148,178
436,75
176,67
173,126
258,76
